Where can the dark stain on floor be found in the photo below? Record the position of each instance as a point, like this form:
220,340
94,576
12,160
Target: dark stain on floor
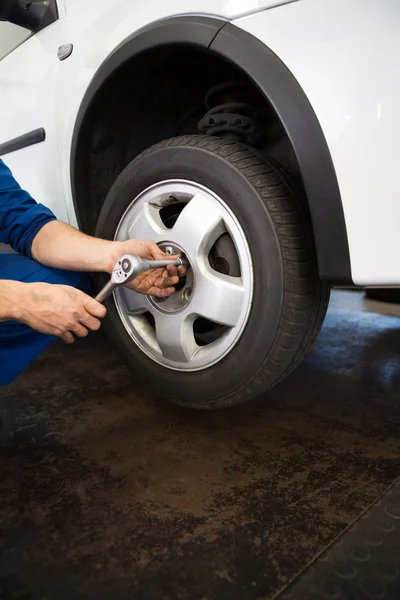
108,493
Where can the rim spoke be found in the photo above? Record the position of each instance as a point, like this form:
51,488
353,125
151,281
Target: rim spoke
199,225
135,303
175,336
219,297
147,225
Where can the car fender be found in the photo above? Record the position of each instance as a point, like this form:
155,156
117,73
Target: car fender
284,93
350,78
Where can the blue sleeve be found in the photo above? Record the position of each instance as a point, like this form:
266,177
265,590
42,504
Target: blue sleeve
21,217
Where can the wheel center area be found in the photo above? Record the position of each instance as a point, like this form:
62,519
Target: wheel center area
184,288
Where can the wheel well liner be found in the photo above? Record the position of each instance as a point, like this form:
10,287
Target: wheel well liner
283,92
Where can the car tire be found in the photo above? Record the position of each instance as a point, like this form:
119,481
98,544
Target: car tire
289,300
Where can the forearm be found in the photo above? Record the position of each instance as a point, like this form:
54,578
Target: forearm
64,247
11,293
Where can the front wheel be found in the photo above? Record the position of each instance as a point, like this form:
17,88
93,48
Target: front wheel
252,302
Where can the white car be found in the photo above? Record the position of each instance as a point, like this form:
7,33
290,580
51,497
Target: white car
257,137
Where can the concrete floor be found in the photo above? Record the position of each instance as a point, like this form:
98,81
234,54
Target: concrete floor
107,493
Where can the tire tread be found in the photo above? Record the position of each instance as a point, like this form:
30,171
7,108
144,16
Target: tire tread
305,297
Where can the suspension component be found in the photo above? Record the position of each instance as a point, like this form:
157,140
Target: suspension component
231,114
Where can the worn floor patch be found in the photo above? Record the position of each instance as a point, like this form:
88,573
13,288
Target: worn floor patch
109,493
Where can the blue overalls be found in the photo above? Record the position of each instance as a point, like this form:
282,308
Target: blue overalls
21,218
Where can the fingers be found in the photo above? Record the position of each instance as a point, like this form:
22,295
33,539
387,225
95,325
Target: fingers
158,282
172,270
176,271
67,337
151,280
85,319
79,330
94,308
165,282
90,322
157,253
172,275
160,292
152,250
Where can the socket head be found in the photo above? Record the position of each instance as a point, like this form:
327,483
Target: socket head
184,262
127,268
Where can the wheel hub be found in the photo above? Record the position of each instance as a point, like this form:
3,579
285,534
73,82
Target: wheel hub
184,289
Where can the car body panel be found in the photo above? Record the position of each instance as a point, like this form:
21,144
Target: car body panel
227,9
49,92
62,8
345,57
28,81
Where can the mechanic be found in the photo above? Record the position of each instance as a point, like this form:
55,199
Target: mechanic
44,291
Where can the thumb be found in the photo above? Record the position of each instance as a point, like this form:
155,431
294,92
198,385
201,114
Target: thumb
160,254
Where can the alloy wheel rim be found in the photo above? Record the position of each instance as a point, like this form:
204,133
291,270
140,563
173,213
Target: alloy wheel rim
171,332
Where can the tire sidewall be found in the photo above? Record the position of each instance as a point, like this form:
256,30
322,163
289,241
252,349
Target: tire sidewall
196,164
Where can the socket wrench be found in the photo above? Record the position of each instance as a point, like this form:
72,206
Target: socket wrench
128,268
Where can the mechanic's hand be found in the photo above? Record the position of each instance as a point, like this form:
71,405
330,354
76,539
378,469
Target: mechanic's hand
156,282
60,310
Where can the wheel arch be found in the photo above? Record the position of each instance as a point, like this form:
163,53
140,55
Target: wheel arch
281,90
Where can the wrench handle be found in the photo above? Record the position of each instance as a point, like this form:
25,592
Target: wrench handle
106,291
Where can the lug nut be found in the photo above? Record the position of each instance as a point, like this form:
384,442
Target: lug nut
168,250
187,294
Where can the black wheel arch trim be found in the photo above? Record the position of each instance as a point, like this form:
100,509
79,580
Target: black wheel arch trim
284,93
23,141
194,31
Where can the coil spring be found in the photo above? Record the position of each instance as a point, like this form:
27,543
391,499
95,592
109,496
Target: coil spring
230,113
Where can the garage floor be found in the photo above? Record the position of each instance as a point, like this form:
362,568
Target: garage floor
107,493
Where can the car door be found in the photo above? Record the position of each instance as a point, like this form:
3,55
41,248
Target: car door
28,139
